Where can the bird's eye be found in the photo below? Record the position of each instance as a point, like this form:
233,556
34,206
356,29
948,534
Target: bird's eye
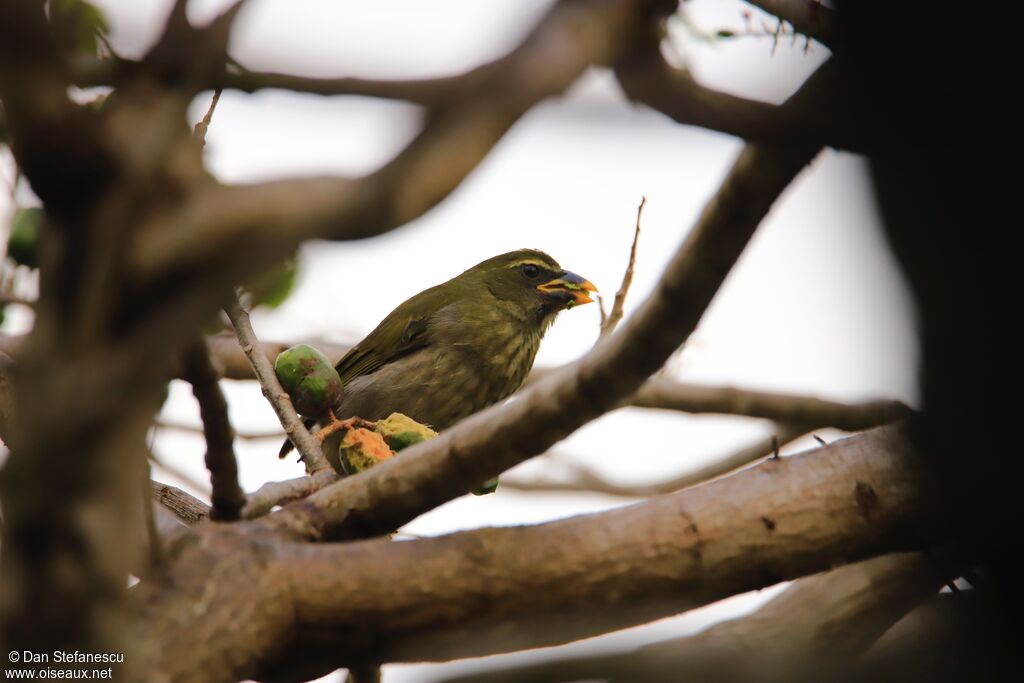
531,271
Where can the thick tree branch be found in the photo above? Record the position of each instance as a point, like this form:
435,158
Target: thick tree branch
496,590
647,78
308,447
227,495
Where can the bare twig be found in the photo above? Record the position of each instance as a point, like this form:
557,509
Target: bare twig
585,479
794,409
796,416
199,132
309,449
244,435
274,493
608,323
227,495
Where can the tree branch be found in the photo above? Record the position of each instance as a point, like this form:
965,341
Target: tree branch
647,78
805,410
497,590
308,447
609,323
585,479
274,493
226,495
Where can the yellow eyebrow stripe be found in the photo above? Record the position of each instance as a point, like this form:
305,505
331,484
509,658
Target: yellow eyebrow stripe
530,261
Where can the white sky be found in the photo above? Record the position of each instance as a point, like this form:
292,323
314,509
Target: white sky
815,305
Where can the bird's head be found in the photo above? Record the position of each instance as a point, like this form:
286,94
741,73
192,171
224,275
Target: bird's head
532,280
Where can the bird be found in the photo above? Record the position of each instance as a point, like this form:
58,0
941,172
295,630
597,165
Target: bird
459,346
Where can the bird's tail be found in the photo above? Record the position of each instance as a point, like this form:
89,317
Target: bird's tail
287,447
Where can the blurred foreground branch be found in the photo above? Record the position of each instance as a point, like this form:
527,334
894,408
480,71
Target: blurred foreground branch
226,494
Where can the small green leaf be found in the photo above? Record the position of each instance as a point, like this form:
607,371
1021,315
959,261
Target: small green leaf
489,486
81,23
726,33
271,288
26,234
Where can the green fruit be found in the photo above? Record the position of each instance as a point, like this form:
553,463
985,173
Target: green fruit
26,230
401,430
309,378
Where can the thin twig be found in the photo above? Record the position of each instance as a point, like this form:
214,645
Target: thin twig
309,449
608,324
587,480
274,493
275,434
668,394
199,132
227,496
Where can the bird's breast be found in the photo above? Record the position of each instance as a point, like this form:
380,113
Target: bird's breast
447,380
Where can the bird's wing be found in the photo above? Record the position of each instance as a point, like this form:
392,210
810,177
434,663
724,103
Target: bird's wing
398,335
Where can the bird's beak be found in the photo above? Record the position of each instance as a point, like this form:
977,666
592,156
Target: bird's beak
570,286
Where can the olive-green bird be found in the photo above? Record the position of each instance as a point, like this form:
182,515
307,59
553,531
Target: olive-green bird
459,346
